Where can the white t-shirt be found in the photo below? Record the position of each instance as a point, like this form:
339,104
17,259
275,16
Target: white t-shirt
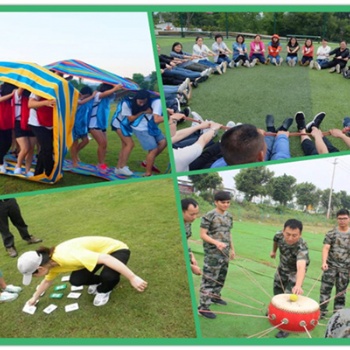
125,112
186,155
322,51
33,117
215,48
93,116
200,51
157,109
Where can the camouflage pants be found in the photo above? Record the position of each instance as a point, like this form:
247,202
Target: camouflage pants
214,274
284,281
330,278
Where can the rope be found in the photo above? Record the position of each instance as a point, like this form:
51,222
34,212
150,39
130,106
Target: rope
307,332
231,313
337,295
313,286
266,331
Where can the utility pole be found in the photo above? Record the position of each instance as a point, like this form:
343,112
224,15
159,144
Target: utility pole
331,190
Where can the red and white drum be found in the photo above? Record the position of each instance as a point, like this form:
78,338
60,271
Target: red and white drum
293,316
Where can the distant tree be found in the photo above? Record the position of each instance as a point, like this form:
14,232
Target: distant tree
153,83
252,181
139,79
207,184
307,194
282,189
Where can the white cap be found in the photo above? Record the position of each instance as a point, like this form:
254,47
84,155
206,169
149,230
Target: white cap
28,263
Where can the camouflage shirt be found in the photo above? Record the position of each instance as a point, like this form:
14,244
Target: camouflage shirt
219,228
339,251
188,232
290,254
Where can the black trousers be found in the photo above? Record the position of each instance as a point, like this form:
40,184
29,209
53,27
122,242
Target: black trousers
45,161
108,278
309,147
5,143
9,208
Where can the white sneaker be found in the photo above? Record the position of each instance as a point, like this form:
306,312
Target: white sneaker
218,69
101,298
281,60
3,169
246,64
123,171
312,64
196,117
17,171
29,174
204,73
254,62
184,85
210,70
317,66
231,64
5,297
231,124
337,68
223,66
10,288
92,288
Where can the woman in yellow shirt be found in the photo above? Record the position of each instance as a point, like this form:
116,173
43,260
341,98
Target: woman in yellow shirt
83,257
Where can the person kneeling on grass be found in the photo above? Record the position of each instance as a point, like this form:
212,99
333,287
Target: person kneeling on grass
82,256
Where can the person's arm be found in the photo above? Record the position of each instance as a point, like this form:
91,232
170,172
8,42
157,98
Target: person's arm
158,118
7,97
116,265
33,103
325,252
87,99
319,143
183,133
205,237
339,134
300,276
274,250
133,117
110,91
194,265
232,249
43,286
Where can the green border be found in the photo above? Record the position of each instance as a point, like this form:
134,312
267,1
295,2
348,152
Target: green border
172,341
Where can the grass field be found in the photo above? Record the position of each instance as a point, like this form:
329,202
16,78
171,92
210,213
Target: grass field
248,95
139,214
88,155
253,244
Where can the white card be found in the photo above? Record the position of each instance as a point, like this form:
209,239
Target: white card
75,288
29,309
71,307
73,295
50,308
65,278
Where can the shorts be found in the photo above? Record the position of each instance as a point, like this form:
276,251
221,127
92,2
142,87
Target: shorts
147,141
22,133
104,130
77,137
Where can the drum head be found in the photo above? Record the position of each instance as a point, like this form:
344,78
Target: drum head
303,305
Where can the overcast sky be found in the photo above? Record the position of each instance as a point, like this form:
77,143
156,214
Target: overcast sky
115,41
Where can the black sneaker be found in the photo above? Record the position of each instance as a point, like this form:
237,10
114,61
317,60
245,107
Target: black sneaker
206,313
286,124
270,123
33,240
186,111
316,122
282,334
219,301
300,120
12,252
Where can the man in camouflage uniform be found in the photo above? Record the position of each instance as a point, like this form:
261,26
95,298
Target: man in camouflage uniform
190,210
336,263
294,260
215,232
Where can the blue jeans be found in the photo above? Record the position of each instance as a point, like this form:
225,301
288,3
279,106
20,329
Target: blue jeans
305,59
223,59
208,63
259,56
170,91
277,147
322,62
181,72
278,58
292,58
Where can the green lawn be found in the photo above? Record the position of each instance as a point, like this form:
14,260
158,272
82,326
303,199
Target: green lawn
140,214
253,243
88,155
248,95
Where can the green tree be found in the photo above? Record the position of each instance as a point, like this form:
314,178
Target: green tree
307,194
253,181
282,188
205,182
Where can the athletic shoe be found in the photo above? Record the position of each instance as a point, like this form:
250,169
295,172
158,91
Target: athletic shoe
317,65
206,313
300,120
92,288
239,63
123,171
219,301
231,64
300,63
231,124
254,62
17,171
29,174
268,60
154,168
246,64
33,240
337,68
293,63
10,288
3,169
306,63
282,334
102,168
204,73
286,124
218,69
270,123
316,122
198,119
290,63
101,298
332,70
12,252
281,60
312,64
209,71
223,66
5,297
186,111
184,85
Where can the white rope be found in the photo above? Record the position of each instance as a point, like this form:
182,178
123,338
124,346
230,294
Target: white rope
307,332
266,331
315,283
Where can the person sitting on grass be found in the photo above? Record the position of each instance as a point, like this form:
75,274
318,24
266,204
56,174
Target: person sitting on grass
307,52
221,51
322,55
339,133
240,53
341,57
292,52
257,51
83,257
274,49
8,292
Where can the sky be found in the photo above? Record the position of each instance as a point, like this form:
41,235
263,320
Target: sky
115,41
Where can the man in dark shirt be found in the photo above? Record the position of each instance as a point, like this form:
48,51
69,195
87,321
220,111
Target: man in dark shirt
341,56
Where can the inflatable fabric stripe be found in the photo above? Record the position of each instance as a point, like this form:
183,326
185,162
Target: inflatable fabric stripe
48,85
84,70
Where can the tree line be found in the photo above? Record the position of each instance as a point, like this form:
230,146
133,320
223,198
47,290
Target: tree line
335,26
262,182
